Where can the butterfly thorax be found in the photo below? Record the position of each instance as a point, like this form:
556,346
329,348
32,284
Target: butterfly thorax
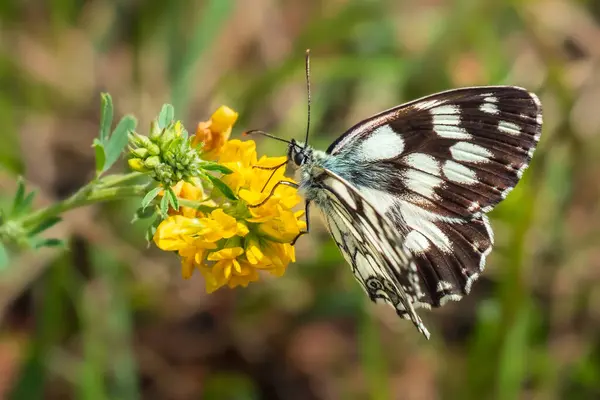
308,164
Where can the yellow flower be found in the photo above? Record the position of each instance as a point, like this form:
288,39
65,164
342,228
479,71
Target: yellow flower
188,191
176,232
193,257
228,270
229,227
231,244
214,133
239,157
273,257
226,261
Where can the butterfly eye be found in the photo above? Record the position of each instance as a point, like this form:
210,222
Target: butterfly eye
299,158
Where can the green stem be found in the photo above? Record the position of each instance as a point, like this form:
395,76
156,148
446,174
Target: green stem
89,194
117,179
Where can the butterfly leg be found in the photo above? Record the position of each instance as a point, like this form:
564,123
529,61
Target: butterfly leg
280,183
306,208
274,169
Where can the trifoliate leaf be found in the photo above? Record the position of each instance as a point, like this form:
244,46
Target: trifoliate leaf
152,230
46,224
173,199
52,242
164,205
100,156
21,202
106,117
151,195
118,140
211,166
25,205
166,116
223,188
142,213
20,193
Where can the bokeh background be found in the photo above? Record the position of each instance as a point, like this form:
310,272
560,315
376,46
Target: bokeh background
112,319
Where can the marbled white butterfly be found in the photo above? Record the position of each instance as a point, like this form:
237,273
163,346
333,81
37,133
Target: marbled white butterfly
405,193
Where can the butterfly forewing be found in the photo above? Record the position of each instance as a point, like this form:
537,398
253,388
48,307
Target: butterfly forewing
458,152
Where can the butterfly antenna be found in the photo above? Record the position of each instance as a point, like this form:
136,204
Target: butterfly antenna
259,132
307,64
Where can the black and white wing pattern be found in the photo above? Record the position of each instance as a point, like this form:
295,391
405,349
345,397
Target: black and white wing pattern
433,167
372,246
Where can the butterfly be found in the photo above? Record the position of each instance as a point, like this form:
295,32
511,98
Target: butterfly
404,194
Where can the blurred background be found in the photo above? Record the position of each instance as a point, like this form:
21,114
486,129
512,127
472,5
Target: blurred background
113,319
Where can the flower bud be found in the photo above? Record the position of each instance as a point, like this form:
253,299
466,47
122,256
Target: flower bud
140,152
137,164
155,131
152,162
153,149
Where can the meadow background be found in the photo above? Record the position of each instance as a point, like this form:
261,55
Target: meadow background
112,319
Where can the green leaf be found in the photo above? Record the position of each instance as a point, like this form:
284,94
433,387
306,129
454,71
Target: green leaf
164,205
166,116
118,140
212,166
152,230
196,205
223,188
50,222
173,199
150,196
3,257
52,242
25,205
142,213
100,155
106,117
22,202
19,196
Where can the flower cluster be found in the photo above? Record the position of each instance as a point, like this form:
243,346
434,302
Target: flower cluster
230,239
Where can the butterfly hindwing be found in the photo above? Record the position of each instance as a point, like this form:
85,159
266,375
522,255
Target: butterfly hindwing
374,249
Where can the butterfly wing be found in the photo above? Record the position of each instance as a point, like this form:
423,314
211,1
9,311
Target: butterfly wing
434,167
372,246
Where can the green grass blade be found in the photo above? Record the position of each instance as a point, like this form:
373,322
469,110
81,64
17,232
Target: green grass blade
214,14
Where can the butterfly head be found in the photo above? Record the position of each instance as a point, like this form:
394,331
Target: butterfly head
298,153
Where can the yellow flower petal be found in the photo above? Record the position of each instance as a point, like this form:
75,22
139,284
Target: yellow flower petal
213,134
187,267
174,233
242,229
236,266
254,254
210,280
223,119
226,254
227,224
